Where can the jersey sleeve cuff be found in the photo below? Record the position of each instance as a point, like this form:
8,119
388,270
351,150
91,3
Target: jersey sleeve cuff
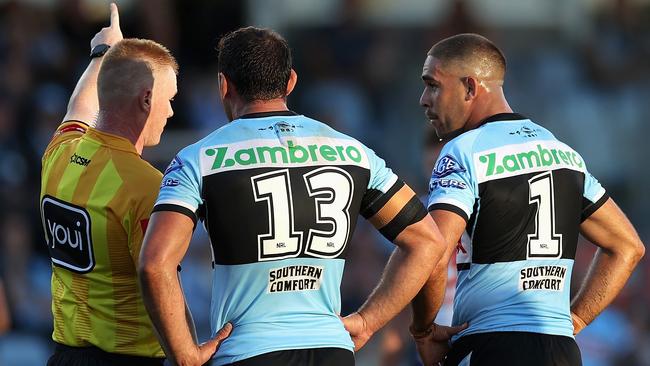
449,207
176,208
590,209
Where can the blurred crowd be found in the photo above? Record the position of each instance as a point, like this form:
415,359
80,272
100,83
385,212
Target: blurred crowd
588,84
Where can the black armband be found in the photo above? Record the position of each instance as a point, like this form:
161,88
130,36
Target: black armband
374,200
411,213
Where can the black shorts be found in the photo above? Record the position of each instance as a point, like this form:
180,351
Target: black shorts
302,357
514,349
93,356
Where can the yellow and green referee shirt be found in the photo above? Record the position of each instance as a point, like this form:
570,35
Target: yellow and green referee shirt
96,198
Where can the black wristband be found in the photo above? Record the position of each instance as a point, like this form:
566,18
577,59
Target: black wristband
99,50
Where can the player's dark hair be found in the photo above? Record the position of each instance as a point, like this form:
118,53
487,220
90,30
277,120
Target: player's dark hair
257,61
468,46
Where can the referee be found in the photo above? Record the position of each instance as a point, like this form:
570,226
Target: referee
96,198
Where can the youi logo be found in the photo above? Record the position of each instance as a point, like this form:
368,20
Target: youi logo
67,231
445,166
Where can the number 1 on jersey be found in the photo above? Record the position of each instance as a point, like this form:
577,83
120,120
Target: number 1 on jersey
544,243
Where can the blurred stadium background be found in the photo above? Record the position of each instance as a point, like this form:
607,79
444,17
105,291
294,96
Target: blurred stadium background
578,67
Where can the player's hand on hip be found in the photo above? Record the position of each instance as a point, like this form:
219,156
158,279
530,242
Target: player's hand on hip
109,35
356,325
578,323
209,348
433,344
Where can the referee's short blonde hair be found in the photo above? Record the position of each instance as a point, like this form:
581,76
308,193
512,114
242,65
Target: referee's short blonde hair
129,65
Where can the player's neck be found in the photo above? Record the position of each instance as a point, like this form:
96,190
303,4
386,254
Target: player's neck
260,106
486,108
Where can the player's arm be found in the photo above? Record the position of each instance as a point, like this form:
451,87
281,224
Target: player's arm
165,244
620,249
428,301
432,340
188,313
84,104
404,221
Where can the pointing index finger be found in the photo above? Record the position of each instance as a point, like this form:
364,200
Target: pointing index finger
115,16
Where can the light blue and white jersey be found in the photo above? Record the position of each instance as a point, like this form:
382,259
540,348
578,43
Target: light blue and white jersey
523,194
279,195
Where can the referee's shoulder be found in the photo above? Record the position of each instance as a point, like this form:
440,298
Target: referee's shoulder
139,173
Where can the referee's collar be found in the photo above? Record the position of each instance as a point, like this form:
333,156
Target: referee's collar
503,117
110,140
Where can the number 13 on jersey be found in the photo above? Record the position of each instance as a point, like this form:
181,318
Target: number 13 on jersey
331,188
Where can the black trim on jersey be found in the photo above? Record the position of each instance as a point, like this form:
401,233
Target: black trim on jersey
463,266
374,199
268,114
503,117
449,207
412,212
471,223
176,208
200,212
590,208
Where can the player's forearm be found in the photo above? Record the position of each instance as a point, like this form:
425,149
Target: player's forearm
404,275
188,313
165,304
84,103
190,323
606,277
428,301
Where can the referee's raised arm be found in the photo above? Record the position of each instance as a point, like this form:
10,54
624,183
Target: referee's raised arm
84,103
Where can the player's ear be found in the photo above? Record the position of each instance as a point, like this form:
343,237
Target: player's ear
471,87
223,85
293,79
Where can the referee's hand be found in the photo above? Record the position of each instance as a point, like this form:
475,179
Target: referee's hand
109,35
209,348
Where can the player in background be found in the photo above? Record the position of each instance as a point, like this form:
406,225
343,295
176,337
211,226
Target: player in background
96,198
515,199
5,317
279,194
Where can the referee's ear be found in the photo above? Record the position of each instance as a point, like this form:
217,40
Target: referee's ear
293,79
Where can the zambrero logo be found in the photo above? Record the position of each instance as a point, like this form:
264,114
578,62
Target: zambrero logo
248,153
517,159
